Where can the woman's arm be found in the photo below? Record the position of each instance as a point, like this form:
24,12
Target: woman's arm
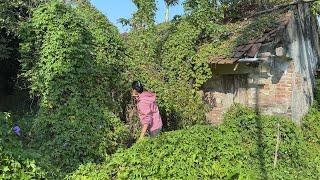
145,117
143,131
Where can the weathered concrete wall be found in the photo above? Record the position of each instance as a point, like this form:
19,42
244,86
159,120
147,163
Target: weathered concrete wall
302,45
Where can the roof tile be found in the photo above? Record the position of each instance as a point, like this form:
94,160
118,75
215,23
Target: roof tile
239,54
240,48
247,47
254,50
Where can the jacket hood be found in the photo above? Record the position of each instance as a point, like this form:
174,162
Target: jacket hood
147,96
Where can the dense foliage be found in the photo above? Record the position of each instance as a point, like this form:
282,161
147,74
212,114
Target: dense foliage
311,122
171,59
243,147
13,165
12,168
74,62
78,68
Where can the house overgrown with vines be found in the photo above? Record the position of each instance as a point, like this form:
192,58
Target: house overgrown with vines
273,70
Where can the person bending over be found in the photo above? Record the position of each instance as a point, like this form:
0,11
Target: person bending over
148,110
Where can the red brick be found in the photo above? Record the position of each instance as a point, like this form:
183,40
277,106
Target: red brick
286,84
290,71
280,96
281,89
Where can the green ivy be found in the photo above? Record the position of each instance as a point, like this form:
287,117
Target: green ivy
172,58
242,148
12,168
15,165
234,10
257,27
73,58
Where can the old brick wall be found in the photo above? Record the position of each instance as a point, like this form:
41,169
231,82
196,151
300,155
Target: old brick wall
272,94
222,91
302,45
217,99
284,80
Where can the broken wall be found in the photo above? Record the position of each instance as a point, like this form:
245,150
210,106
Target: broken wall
302,45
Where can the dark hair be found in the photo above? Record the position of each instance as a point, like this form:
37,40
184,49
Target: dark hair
136,85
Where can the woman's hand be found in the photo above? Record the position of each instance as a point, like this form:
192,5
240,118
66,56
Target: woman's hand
143,131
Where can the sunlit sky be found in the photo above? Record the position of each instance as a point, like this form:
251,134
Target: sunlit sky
115,9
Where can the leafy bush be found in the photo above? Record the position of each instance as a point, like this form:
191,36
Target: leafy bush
73,58
12,165
243,147
12,168
311,126
311,132
171,59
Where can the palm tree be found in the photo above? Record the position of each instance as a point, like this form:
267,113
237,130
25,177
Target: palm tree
169,3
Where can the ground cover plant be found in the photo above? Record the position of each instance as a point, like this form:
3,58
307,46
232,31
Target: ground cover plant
242,148
14,162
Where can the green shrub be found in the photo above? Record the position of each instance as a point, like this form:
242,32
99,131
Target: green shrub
311,126
171,60
242,148
14,165
73,58
12,168
311,132
317,92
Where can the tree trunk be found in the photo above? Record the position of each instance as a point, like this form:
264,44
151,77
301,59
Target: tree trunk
166,16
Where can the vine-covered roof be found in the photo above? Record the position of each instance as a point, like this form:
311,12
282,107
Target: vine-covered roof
248,36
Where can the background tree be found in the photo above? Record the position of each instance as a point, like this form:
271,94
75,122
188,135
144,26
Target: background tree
12,14
169,3
145,15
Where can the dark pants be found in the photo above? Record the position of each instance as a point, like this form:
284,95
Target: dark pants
155,132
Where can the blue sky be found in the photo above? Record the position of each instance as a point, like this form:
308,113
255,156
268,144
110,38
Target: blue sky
115,9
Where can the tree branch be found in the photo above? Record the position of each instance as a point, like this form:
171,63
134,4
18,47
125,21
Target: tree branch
282,6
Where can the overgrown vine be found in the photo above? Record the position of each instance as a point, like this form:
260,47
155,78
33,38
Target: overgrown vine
76,71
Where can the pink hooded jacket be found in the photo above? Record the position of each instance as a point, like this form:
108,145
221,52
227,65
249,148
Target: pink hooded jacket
149,111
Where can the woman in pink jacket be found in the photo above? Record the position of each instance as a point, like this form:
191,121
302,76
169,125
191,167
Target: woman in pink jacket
148,110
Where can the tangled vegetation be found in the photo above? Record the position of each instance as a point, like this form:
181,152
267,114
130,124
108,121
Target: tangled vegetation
78,67
242,148
76,70
175,64
12,168
13,165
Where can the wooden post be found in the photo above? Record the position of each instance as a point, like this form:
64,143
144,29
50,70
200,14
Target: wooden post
277,147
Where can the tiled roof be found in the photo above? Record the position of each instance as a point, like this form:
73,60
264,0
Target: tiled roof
252,47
